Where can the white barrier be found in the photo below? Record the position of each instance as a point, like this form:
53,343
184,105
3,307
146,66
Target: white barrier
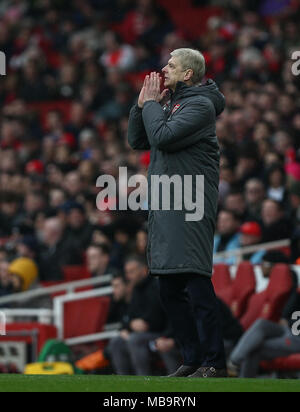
68,287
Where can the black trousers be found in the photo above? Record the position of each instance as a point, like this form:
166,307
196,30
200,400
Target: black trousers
193,311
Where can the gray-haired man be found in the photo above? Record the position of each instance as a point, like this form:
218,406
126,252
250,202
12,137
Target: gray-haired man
182,137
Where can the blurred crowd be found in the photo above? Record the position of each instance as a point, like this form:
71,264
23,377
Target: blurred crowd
90,57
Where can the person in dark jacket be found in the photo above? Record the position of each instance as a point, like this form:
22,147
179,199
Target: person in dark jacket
182,137
143,322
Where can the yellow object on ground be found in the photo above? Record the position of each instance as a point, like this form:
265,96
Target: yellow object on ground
49,368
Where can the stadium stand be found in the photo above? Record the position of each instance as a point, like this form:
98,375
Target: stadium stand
73,72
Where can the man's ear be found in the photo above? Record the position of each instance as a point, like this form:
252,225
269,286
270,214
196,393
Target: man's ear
188,75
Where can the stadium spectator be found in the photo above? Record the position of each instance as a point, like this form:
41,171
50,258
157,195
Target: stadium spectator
254,195
145,321
275,225
97,259
27,247
235,202
9,212
22,274
78,229
276,189
251,234
227,237
295,202
117,311
266,340
6,287
55,251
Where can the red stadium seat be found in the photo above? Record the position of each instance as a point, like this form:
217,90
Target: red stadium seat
236,295
288,363
221,278
269,303
75,272
192,21
85,316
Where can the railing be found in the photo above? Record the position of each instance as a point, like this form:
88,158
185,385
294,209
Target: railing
67,287
56,315
95,337
44,316
240,252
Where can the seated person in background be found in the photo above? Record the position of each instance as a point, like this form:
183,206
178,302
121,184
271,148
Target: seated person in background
56,251
166,348
144,322
235,202
120,300
266,340
270,259
97,260
227,237
18,276
78,229
23,274
254,196
117,311
275,225
6,286
232,329
251,234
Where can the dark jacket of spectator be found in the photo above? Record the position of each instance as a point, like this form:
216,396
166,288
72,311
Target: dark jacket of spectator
145,304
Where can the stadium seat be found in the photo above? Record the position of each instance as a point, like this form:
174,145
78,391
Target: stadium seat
85,316
288,363
75,272
237,294
192,21
221,278
269,303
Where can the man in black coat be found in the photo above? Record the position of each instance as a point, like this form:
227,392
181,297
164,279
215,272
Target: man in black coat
182,137
142,323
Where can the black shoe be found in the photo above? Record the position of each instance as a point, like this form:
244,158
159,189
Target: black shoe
209,372
183,371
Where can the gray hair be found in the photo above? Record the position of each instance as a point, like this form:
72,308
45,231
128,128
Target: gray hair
191,59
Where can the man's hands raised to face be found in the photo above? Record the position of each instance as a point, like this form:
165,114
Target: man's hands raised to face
151,89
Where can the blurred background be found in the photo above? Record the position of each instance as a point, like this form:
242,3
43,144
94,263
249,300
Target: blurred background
73,71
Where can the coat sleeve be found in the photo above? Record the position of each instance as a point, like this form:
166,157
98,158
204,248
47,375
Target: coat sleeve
137,137
182,130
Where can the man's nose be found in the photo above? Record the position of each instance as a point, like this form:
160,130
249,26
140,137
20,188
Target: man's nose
164,69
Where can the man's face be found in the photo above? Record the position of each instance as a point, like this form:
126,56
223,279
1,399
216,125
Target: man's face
95,259
76,218
254,193
248,240
133,272
226,224
119,289
270,213
236,203
173,73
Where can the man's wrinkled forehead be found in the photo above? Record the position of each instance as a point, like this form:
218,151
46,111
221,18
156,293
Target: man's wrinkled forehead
173,62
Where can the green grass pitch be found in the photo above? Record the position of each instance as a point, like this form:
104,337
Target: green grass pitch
107,383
